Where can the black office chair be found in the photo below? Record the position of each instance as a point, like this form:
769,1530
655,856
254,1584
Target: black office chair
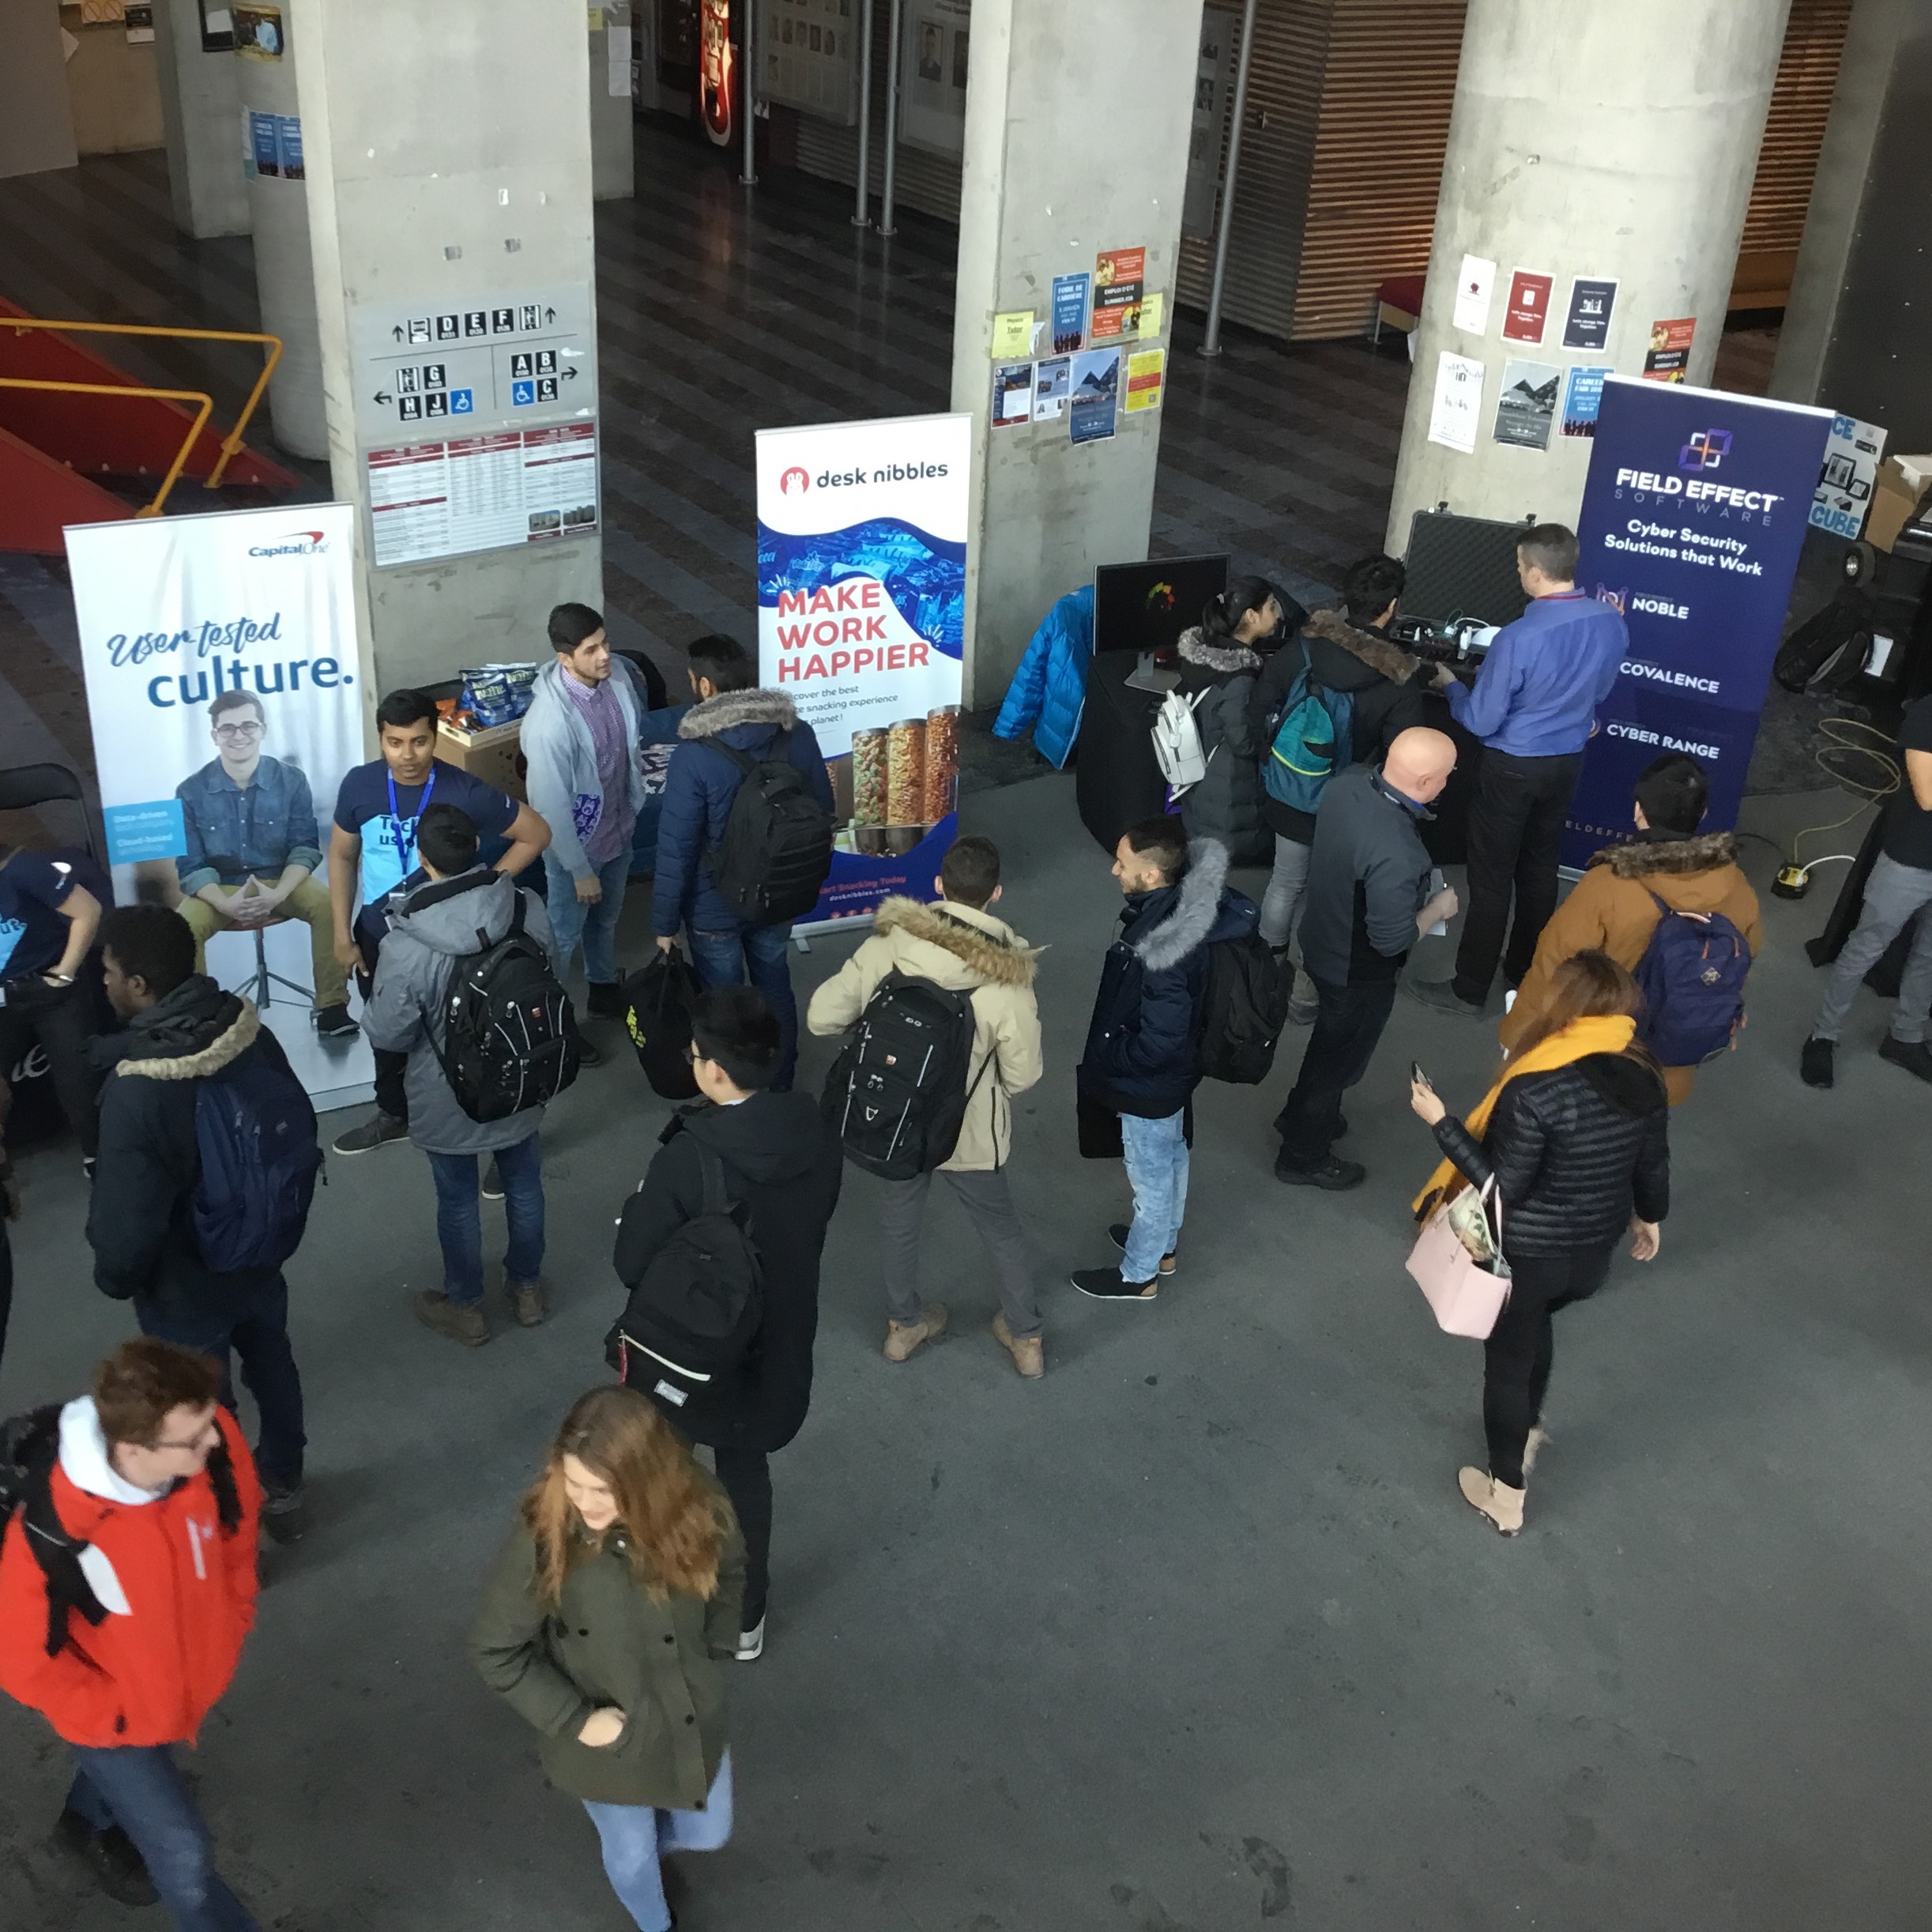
24,787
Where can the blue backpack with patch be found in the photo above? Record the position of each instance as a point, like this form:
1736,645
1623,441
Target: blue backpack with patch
1691,977
255,1132
1310,743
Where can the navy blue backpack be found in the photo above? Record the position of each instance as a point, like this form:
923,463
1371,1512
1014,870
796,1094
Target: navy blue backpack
1691,977
255,1131
1310,742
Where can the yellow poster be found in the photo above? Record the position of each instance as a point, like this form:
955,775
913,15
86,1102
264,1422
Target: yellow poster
1146,370
1151,307
1012,335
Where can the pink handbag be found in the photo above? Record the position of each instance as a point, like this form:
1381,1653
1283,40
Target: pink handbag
1467,1297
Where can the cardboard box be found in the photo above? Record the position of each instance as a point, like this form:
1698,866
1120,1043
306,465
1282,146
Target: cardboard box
491,755
1901,487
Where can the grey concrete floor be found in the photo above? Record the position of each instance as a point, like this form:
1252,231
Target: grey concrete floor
1196,1634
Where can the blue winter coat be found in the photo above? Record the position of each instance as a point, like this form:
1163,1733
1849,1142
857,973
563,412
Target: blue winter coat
1143,1043
698,791
1049,691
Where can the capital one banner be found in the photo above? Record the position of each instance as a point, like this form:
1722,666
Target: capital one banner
861,622
1693,513
223,689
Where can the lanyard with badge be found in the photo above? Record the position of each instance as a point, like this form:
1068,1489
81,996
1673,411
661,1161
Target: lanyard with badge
405,841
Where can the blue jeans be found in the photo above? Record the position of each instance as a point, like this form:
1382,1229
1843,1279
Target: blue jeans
758,954
1156,1154
635,1835
256,1328
140,1788
459,1217
596,926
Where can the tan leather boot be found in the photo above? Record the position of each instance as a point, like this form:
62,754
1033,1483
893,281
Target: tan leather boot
1488,1498
902,1338
1029,1352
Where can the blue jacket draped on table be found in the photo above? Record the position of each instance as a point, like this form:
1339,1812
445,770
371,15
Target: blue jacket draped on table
1049,691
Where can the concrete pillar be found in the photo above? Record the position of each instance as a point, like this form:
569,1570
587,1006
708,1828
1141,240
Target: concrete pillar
613,163
481,208
1076,142
201,124
278,207
1617,142
1853,338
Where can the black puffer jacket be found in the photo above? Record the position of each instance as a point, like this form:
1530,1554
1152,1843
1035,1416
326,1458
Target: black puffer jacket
1225,806
1575,1151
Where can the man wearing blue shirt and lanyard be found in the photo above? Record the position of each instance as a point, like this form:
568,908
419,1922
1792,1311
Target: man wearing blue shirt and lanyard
372,849
1534,707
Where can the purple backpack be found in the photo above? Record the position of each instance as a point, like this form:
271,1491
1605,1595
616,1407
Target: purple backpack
1691,977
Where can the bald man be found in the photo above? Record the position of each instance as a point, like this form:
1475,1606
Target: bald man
1369,900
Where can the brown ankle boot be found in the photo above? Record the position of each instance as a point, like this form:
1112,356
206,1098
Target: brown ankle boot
902,1338
1488,1498
1029,1352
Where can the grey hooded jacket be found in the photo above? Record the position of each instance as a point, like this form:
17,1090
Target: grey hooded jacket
563,758
1226,804
440,923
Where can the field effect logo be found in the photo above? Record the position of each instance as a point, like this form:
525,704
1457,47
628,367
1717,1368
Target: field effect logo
785,481
1706,449
301,543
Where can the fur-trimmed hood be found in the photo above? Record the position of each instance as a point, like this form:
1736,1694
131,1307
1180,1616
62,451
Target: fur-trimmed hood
730,708
230,1044
1370,648
1704,853
987,947
1189,922
1225,658
192,1032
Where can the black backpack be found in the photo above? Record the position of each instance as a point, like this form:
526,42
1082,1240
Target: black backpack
695,1311
898,1093
657,1004
255,1132
508,1039
1245,1009
777,850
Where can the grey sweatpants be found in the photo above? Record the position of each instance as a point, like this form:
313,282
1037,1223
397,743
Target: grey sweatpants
988,1199
1892,893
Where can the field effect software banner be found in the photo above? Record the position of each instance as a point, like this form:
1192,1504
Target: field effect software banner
1693,517
861,622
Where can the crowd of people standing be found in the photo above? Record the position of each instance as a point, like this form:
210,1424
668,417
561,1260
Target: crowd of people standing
633,1576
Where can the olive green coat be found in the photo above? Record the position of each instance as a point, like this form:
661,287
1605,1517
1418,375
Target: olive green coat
663,1665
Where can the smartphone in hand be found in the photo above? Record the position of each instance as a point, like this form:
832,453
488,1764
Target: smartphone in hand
1418,1077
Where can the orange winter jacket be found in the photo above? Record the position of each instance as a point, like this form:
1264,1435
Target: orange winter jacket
1610,910
180,1597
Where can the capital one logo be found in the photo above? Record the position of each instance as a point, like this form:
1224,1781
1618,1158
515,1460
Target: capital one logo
299,543
790,476
1705,450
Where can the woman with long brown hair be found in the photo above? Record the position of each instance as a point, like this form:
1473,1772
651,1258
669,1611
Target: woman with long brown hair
607,1625
1575,1137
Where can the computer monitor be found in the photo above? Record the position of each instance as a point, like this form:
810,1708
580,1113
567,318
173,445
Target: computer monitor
1143,608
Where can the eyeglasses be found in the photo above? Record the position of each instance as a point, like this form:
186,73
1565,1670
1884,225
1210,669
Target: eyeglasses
254,729
200,1442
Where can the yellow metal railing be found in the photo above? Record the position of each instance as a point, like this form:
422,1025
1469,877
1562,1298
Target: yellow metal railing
106,389
231,444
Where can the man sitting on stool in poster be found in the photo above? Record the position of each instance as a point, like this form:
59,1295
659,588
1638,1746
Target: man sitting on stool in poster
253,851
1534,707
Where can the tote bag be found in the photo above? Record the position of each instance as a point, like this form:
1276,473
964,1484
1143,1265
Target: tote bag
1467,1295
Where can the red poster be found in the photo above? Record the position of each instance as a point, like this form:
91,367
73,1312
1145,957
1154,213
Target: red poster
1528,307
1120,280
1668,359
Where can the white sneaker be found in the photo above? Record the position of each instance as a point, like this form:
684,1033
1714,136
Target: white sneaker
751,1643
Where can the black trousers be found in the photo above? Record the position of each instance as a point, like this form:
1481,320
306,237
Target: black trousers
1516,838
1347,1030
61,1020
1517,1357
391,1095
746,1476
6,1285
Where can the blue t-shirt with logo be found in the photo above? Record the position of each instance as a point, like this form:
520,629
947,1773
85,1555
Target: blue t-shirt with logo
33,930
389,857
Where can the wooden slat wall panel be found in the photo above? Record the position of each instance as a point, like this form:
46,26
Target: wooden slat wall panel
1377,173
1277,150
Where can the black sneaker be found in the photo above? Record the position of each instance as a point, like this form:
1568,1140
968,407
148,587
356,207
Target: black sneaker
110,1857
1118,1234
284,1514
606,1000
1105,1285
1441,995
1914,1055
1335,1174
333,1022
492,1181
1814,1065
587,1055
380,1133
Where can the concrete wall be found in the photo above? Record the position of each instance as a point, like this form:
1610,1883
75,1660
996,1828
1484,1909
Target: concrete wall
409,204
1587,139
1076,141
201,124
36,123
613,163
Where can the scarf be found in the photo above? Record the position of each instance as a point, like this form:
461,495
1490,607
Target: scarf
1577,1040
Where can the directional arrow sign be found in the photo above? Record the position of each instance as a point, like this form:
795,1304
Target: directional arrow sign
397,332
550,315
570,375
383,395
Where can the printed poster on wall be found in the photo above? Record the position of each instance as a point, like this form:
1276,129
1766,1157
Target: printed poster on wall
932,74
1528,405
1096,388
1587,326
1147,370
1583,395
1012,393
1472,291
1528,311
1051,385
1070,312
1850,473
861,622
220,653
1693,513
1667,360
1453,414
1119,275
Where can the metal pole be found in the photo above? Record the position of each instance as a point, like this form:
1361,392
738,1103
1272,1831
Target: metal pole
886,209
1211,340
862,211
747,97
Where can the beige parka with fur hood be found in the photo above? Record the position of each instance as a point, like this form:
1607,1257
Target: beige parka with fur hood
964,950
